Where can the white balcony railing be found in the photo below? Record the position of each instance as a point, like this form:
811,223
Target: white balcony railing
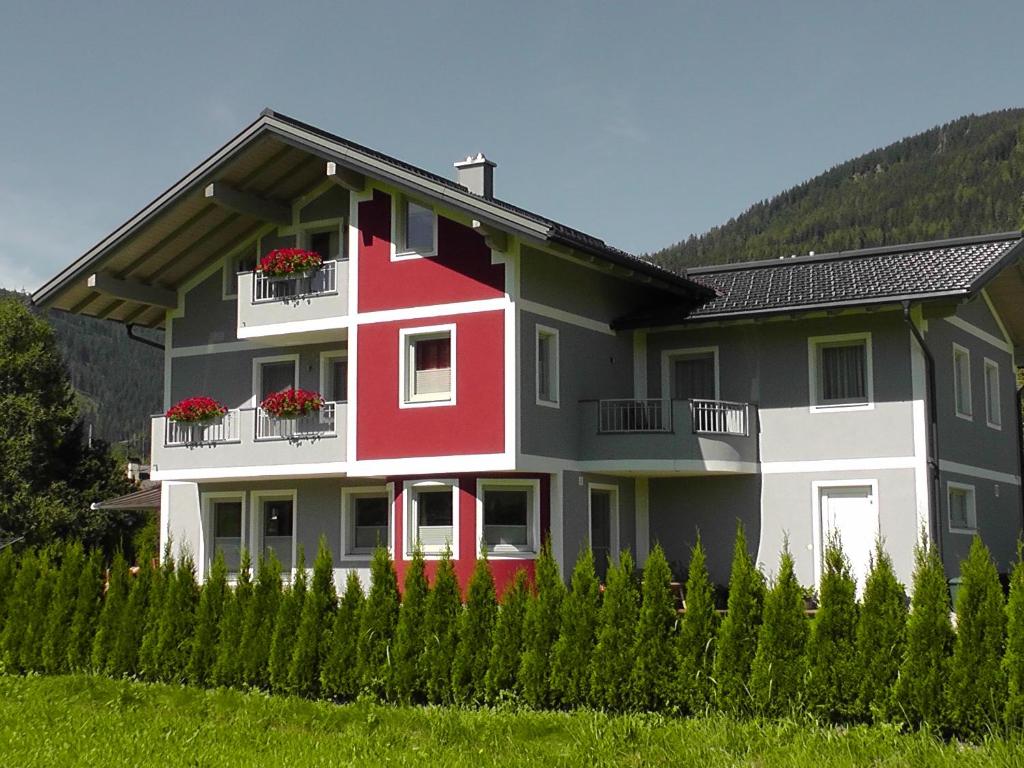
652,415
317,424
224,430
719,417
323,281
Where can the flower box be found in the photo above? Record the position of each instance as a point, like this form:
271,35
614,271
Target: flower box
196,410
292,403
284,264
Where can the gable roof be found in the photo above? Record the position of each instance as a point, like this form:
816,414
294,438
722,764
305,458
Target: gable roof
281,158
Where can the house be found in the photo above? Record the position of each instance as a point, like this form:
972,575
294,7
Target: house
491,375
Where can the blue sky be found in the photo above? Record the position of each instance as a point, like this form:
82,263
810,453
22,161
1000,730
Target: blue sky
640,123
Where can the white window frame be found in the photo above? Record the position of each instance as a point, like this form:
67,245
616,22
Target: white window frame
993,408
814,343
529,552
309,228
820,489
669,355
399,251
256,522
207,501
406,349
556,384
325,361
613,522
972,507
968,415
410,492
257,373
348,549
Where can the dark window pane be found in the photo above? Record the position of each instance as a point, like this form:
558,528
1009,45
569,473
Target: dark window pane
278,517
325,244
419,228
433,354
843,373
371,511
506,507
694,377
227,519
601,530
338,390
435,507
276,377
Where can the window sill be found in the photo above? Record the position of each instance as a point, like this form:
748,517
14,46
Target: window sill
410,255
964,531
965,416
427,403
511,554
548,403
841,407
997,427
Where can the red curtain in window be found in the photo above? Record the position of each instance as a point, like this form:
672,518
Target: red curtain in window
432,354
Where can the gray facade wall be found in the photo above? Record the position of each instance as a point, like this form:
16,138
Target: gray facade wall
208,317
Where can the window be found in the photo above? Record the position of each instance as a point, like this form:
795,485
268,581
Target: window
415,229
275,375
225,532
508,516
962,513
428,366
547,366
366,520
690,374
962,382
334,377
277,527
326,243
431,518
993,407
840,372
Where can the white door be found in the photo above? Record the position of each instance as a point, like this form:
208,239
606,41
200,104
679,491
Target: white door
851,513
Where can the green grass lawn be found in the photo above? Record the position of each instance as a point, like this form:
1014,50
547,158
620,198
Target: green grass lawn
47,721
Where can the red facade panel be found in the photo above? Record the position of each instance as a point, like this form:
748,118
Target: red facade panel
504,569
474,424
461,270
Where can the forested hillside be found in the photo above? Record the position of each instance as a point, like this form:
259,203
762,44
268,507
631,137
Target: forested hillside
119,381
962,178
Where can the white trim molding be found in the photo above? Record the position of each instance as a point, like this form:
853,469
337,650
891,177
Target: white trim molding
252,472
427,311
814,344
554,365
961,324
347,551
553,313
399,207
325,358
410,513
992,406
971,496
958,352
979,472
407,338
533,532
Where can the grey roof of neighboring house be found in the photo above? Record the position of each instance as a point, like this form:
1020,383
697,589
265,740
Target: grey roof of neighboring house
914,271
147,498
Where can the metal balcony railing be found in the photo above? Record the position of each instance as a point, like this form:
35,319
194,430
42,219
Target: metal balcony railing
317,424
651,415
224,430
323,281
719,417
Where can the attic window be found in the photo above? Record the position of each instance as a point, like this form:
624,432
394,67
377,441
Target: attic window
415,230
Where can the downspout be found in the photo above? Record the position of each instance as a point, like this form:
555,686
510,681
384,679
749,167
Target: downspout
933,431
130,328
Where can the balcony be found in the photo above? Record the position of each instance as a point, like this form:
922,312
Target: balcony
281,306
248,442
673,436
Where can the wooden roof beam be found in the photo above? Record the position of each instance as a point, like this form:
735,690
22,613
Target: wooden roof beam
131,290
346,178
245,202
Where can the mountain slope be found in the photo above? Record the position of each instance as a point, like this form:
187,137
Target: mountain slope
962,178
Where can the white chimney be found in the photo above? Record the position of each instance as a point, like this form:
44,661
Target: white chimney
477,175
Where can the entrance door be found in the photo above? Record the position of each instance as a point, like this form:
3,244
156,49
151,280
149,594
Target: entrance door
602,505
850,512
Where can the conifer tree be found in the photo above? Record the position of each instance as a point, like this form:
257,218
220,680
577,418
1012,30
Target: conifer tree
651,684
177,622
35,628
149,659
258,623
694,644
407,679
737,637
8,570
881,637
444,605
88,600
833,674
919,688
124,657
339,677
612,661
227,670
286,624
62,608
976,686
577,635
507,646
20,604
778,669
109,623
476,632
316,618
212,599
543,616
378,623
1013,660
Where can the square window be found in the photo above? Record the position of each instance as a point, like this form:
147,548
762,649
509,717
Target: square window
840,372
547,366
962,511
993,406
417,229
429,367
276,376
962,382
431,521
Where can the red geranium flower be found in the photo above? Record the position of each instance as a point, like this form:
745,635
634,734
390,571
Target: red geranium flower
282,262
195,409
290,403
